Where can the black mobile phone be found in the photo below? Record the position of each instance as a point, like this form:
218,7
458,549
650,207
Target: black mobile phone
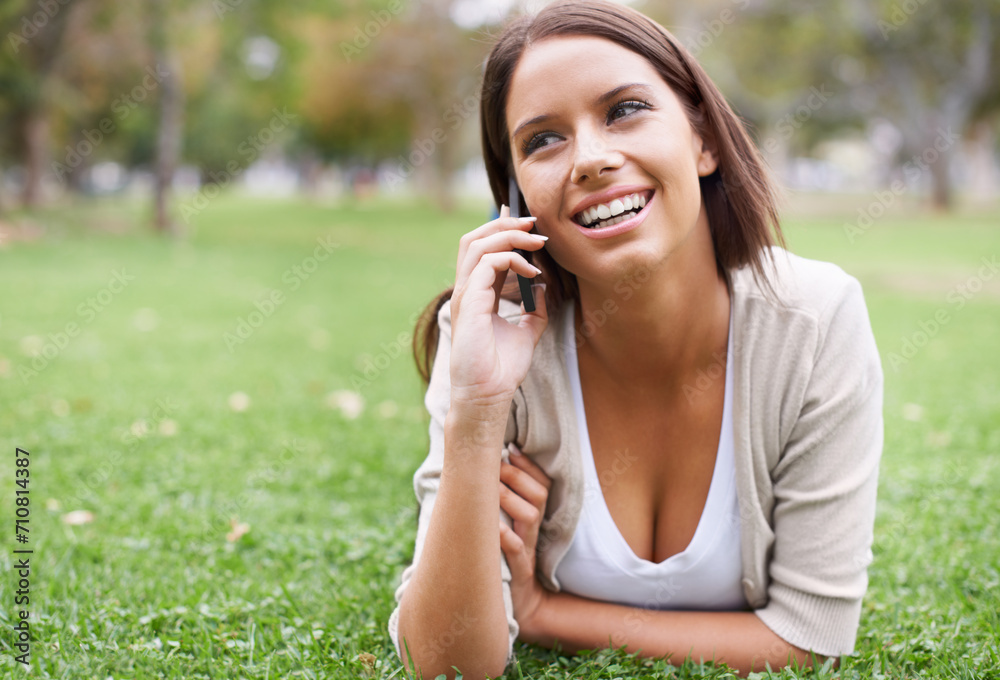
514,197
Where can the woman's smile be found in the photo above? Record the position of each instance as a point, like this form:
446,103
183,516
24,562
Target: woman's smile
619,216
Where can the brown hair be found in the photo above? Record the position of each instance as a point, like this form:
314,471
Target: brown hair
739,196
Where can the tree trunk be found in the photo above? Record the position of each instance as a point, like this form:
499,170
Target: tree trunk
36,147
170,128
168,143
3,195
981,166
941,191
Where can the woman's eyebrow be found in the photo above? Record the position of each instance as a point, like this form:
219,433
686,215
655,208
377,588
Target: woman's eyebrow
610,94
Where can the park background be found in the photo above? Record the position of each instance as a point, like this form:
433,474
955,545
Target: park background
219,221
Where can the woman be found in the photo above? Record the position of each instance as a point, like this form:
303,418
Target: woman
677,451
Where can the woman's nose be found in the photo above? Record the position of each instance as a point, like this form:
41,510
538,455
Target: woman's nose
593,156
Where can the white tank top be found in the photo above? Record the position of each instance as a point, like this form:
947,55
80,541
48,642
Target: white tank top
600,564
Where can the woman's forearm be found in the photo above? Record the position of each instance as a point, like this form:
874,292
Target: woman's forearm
740,639
452,613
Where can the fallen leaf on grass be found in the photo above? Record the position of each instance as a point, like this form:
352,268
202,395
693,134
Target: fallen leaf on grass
78,517
349,403
238,529
368,661
239,401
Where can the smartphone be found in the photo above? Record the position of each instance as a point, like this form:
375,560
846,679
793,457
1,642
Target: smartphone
514,197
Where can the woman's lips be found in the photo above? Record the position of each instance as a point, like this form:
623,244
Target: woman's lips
621,227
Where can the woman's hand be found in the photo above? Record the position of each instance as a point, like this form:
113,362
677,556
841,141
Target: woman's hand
524,490
489,355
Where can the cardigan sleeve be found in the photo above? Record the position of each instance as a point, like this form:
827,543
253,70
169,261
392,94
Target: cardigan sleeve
825,484
428,476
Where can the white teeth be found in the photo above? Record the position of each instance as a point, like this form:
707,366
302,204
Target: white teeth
611,213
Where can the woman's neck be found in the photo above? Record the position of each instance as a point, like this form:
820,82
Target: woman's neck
660,325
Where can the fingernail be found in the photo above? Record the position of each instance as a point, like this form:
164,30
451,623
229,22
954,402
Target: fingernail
529,218
537,270
540,237
538,293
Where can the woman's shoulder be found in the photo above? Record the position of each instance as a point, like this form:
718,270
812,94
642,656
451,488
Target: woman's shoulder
792,283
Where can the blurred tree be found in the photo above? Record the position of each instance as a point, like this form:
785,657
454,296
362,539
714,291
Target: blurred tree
32,45
932,66
803,71
394,82
171,119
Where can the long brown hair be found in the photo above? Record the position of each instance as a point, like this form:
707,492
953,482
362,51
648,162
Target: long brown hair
739,196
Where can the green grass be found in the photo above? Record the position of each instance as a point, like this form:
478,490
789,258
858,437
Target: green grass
132,421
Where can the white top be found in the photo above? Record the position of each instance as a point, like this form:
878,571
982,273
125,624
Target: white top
600,564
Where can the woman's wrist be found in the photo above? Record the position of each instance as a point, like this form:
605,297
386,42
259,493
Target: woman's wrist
474,412
534,625
475,429
470,402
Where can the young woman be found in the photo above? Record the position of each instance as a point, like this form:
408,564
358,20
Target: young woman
677,451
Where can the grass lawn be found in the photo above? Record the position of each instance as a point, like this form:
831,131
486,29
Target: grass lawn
244,525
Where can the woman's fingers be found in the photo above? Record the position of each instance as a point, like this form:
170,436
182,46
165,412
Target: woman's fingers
529,466
521,482
520,509
484,276
502,223
524,492
499,242
517,556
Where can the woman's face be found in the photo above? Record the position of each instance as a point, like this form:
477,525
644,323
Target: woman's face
591,124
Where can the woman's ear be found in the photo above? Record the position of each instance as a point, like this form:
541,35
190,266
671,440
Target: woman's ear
706,147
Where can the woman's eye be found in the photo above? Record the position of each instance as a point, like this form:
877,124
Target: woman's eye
626,108
537,142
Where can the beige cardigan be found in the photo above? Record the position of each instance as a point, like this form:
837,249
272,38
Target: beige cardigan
807,422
